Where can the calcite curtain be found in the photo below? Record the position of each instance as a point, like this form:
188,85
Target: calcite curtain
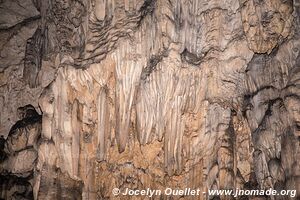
104,94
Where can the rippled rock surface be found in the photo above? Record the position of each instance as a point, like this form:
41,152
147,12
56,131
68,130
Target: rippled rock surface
103,94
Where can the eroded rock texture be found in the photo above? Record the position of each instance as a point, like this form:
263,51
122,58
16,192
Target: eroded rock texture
19,155
149,94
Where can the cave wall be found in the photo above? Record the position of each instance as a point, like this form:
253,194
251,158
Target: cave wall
149,94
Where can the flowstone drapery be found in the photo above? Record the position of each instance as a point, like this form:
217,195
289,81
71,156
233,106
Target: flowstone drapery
149,94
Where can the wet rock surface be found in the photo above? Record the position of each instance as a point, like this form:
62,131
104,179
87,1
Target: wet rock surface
148,94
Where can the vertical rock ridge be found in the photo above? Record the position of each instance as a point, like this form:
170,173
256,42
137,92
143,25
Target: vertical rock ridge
148,94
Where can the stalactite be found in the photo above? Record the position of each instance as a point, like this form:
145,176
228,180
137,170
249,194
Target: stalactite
103,123
150,94
128,74
76,128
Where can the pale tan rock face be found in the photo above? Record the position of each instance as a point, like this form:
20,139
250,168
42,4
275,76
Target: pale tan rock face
152,94
266,23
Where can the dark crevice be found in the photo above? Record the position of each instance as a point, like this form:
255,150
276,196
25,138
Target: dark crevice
295,96
268,87
152,63
17,184
268,113
3,155
21,187
25,122
146,9
33,57
22,23
190,58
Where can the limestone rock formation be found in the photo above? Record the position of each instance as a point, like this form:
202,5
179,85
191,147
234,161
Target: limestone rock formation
19,155
104,94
